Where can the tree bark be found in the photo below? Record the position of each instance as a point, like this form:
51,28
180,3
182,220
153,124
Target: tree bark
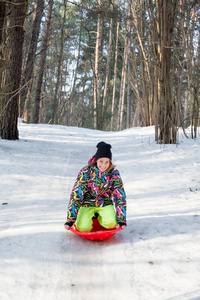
42,65
55,100
115,75
107,70
128,117
96,66
73,91
81,105
145,78
15,39
2,18
166,109
124,73
28,72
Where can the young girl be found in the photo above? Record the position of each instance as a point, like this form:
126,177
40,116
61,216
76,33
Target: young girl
98,190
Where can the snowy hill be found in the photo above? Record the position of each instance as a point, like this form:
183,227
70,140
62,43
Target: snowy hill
157,257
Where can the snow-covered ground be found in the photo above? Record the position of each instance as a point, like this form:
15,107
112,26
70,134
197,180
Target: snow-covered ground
157,257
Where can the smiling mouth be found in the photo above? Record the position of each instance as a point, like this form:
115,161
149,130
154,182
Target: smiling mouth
103,169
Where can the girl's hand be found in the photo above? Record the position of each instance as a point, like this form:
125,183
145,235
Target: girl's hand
123,227
66,227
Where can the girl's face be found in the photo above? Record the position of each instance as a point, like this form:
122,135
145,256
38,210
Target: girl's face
103,163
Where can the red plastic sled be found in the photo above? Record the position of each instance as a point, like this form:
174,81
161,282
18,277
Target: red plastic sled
98,232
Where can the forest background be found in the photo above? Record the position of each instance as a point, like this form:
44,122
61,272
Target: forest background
100,64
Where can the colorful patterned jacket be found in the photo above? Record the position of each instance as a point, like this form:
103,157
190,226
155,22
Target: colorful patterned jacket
95,189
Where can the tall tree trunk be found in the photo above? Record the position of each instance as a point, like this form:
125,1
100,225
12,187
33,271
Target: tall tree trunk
62,37
124,73
60,96
128,118
81,105
135,80
42,65
166,108
28,72
100,79
145,79
198,69
2,18
115,76
107,70
73,91
96,66
15,39
70,99
193,74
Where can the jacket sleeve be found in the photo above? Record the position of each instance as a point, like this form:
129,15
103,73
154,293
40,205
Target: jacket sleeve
119,198
76,196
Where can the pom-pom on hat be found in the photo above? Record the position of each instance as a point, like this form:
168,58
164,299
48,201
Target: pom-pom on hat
103,150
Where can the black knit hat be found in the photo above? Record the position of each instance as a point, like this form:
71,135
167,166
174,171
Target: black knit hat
103,151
